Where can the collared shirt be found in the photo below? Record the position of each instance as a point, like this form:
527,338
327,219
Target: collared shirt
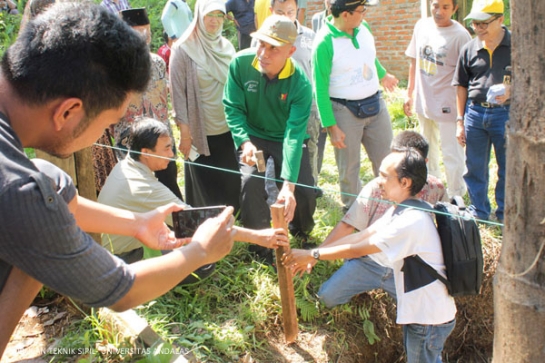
343,67
478,70
40,236
115,7
275,110
288,70
132,186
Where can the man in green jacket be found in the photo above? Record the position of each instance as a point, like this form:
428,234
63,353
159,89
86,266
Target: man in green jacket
267,103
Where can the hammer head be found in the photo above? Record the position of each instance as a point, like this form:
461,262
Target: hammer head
260,161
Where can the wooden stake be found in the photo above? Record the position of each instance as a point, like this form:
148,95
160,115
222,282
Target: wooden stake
285,279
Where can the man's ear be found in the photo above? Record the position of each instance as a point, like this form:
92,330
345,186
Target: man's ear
68,111
406,183
292,50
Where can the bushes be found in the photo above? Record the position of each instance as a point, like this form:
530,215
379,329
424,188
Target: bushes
9,28
155,9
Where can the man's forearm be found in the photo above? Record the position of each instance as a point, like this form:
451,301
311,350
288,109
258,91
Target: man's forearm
245,235
341,230
412,74
156,276
461,100
99,218
348,250
353,238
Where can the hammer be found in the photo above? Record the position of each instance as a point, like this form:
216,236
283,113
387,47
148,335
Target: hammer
260,161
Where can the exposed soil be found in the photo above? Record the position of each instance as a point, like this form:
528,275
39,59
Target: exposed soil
39,329
47,320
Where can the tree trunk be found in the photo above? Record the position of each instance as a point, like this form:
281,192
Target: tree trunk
519,294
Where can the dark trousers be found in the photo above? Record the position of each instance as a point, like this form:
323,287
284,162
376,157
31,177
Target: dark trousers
244,41
214,179
169,177
255,212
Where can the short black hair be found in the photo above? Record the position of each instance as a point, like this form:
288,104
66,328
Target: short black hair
39,6
144,134
412,139
283,1
412,166
454,3
337,7
77,50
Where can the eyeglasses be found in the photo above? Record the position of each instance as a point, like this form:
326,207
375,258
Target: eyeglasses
219,15
483,25
358,11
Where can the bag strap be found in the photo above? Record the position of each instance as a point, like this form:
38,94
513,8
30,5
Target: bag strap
459,202
432,271
418,203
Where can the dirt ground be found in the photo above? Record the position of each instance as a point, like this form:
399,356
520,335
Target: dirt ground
471,341
39,329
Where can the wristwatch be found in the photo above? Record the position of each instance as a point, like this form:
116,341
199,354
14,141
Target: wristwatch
315,253
460,118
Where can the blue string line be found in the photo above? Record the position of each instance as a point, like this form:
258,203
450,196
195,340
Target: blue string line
329,191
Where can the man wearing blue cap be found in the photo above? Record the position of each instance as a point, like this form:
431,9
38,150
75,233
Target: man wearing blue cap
482,103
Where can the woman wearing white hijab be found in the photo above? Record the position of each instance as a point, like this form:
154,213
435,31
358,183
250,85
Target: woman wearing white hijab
198,70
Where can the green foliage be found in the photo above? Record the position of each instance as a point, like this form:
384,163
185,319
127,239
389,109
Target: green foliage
400,121
155,9
9,28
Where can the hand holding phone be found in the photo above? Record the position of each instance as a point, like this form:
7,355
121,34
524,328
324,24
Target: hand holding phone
186,221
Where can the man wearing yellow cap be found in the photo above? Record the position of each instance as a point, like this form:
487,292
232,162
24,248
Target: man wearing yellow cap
267,99
482,103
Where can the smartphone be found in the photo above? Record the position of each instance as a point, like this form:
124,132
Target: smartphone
193,153
186,222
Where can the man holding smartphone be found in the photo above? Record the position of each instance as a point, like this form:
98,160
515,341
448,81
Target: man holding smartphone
68,76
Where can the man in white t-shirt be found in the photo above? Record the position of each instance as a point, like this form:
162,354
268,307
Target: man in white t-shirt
424,306
434,50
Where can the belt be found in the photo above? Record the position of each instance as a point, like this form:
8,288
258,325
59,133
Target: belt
343,101
488,104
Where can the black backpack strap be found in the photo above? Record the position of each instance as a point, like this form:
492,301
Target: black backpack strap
416,203
432,271
459,202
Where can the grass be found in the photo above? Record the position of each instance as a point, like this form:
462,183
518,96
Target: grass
234,314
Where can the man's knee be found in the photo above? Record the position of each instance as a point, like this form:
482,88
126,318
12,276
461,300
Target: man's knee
328,296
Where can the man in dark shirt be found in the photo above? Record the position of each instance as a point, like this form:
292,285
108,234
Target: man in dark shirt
243,12
70,74
479,90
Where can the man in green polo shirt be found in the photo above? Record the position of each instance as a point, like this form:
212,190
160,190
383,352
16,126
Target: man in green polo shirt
267,103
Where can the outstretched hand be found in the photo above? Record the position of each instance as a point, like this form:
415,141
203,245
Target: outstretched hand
299,261
216,236
272,238
154,233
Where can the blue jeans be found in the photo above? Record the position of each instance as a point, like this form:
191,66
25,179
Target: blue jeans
354,277
484,128
424,343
